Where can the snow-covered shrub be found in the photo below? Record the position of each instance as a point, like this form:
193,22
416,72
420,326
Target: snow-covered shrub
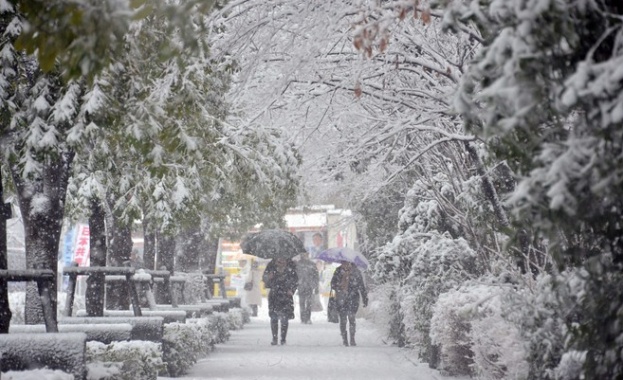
235,318
246,314
37,374
570,366
182,346
206,335
432,254
439,263
382,311
449,329
474,336
535,307
219,325
194,288
124,360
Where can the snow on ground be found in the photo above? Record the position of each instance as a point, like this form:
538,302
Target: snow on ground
312,352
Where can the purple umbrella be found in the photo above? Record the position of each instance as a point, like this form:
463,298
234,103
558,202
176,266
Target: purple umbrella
336,255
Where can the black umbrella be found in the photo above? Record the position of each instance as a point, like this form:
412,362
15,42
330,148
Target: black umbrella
270,244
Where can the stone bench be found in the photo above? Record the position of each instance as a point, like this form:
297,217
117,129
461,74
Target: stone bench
61,351
192,311
168,316
143,328
217,304
104,333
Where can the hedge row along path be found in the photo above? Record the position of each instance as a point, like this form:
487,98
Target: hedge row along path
312,352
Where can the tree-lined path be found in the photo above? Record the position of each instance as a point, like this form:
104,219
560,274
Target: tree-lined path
312,352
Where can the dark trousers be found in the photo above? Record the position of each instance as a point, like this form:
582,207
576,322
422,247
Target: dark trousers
305,302
352,324
274,327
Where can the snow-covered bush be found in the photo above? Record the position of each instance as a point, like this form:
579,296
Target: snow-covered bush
194,288
439,263
219,325
429,256
473,335
205,330
383,311
182,346
536,308
235,318
246,314
37,374
124,360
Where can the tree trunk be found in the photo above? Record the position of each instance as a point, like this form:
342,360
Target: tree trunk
149,245
166,261
487,186
117,295
43,221
96,282
193,245
5,311
523,237
209,257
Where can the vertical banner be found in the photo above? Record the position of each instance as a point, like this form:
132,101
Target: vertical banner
68,246
67,253
82,250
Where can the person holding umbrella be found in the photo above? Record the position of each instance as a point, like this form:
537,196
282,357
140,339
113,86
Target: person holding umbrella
308,285
281,277
347,281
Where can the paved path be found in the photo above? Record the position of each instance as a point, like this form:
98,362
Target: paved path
313,352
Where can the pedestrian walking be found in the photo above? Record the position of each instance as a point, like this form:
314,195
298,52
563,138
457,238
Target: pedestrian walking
281,277
347,281
308,285
253,292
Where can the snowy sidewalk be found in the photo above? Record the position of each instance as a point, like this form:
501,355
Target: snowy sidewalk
312,352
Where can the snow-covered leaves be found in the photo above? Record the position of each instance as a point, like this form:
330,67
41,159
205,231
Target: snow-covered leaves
361,121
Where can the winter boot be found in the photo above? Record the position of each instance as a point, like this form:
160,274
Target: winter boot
352,337
274,328
284,331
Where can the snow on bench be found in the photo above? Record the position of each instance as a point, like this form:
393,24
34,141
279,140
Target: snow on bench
104,333
168,315
217,304
62,351
192,311
143,328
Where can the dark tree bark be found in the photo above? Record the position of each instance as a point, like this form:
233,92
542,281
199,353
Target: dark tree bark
149,245
193,247
209,256
42,226
119,252
5,311
166,261
96,282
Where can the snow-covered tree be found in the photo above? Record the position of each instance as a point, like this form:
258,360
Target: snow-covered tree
168,127
545,92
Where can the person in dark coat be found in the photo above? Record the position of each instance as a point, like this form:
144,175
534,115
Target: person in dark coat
308,285
280,276
348,284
